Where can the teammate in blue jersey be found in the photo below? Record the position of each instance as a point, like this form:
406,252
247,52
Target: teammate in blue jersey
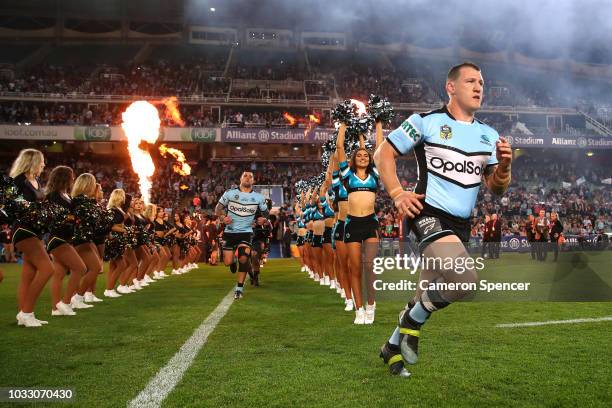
237,207
455,153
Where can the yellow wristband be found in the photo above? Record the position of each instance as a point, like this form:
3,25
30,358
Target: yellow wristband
395,192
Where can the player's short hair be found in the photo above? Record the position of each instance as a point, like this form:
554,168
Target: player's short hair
453,73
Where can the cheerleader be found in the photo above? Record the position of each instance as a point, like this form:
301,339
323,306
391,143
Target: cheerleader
103,227
179,251
309,256
126,279
149,215
84,192
4,219
37,266
142,250
114,245
194,251
161,230
361,225
328,219
301,235
173,236
318,227
341,199
65,257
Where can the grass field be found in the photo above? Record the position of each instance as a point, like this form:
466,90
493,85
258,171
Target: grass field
289,343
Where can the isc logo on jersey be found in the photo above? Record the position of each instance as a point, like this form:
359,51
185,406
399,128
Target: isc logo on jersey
242,210
462,169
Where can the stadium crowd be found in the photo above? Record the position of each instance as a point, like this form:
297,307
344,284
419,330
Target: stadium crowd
408,81
584,207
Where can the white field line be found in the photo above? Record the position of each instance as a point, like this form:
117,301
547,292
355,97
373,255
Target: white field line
530,324
170,375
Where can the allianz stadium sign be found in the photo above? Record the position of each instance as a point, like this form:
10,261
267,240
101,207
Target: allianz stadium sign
259,135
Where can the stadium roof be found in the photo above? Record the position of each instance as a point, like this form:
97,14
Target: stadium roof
581,30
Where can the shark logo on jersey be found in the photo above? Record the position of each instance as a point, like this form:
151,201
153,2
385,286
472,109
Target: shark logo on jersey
484,139
446,132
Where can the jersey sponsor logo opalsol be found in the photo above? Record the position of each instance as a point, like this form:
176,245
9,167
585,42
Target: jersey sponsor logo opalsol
242,210
457,166
466,166
411,132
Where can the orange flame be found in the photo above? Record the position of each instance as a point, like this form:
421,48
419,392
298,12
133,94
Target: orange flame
361,108
181,167
172,111
141,123
292,120
314,118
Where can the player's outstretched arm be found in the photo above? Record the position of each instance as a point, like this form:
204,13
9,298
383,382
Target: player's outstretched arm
407,202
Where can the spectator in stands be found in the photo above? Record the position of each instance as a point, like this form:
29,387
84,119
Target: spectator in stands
556,233
542,227
287,242
495,228
6,240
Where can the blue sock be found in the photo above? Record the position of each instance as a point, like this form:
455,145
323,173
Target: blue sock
394,339
418,313
239,287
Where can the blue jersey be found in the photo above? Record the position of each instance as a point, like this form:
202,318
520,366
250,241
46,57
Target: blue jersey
241,208
306,213
354,183
326,211
452,157
299,219
340,193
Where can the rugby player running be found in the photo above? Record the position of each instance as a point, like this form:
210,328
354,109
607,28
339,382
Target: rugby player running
455,153
236,209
